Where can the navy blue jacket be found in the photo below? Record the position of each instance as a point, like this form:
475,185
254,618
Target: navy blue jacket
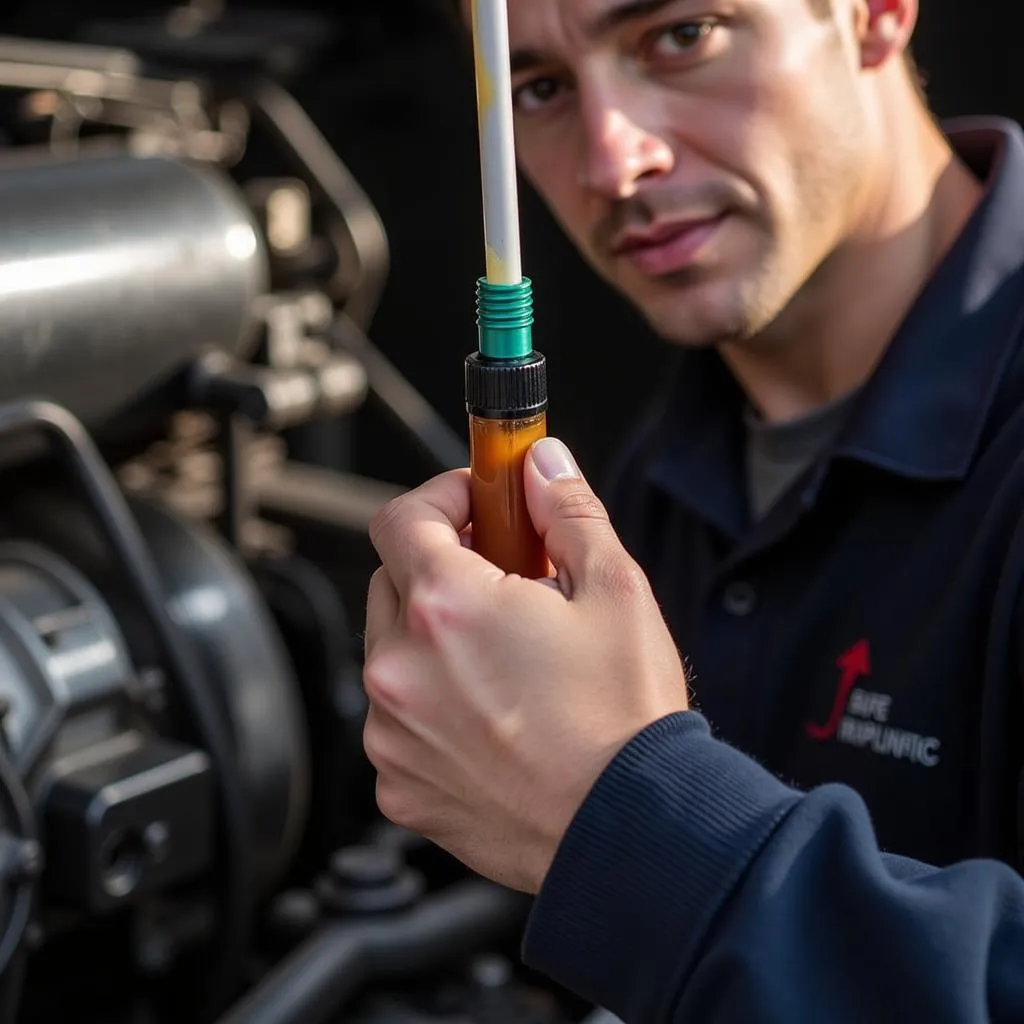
862,643
694,887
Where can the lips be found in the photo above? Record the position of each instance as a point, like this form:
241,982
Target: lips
669,249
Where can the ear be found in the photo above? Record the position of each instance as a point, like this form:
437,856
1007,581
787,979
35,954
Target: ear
884,28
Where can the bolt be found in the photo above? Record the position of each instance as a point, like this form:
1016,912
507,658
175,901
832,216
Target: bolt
368,880
156,838
364,866
295,913
28,860
491,972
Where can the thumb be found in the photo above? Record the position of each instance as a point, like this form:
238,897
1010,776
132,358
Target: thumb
568,516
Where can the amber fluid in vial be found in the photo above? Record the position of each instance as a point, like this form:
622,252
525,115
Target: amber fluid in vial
503,532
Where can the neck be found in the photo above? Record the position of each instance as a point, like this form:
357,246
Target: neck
833,334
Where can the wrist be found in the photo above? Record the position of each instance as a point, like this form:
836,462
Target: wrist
566,802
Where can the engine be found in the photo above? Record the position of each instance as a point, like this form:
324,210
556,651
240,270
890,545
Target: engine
187,823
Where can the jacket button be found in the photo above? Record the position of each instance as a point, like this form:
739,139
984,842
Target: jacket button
739,599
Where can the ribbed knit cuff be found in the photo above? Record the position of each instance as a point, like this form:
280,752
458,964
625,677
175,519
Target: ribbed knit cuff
663,839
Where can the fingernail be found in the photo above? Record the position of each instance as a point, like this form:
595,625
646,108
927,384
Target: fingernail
554,461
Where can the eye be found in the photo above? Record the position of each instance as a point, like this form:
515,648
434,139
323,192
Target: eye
682,37
537,94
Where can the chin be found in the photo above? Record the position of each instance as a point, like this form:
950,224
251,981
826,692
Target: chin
699,316
729,296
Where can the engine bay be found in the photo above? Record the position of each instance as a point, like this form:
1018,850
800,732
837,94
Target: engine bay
188,829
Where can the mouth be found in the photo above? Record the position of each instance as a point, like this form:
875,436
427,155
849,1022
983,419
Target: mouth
669,249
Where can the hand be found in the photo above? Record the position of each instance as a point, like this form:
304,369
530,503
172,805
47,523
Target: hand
497,701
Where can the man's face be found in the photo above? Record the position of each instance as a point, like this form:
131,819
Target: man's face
704,155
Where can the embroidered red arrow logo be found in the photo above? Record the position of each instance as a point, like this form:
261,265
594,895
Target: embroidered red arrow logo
854,664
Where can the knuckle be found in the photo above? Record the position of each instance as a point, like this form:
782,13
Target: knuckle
375,747
619,575
432,609
577,504
384,682
396,804
390,801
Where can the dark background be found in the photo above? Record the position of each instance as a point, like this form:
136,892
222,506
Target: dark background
392,89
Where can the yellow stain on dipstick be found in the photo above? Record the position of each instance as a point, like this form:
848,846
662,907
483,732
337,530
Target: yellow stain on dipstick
497,268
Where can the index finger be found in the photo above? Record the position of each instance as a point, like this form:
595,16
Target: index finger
414,530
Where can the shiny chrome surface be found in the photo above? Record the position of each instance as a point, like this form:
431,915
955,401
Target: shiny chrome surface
115,272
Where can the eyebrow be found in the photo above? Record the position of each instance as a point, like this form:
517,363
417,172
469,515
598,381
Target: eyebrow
526,60
633,10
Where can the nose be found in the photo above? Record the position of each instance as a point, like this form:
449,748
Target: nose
620,152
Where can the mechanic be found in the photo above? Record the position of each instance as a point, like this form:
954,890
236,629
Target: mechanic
827,502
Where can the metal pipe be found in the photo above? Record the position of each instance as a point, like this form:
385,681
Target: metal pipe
115,273
432,432
312,984
324,170
308,495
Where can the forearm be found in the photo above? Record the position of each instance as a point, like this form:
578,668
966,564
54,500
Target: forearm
695,886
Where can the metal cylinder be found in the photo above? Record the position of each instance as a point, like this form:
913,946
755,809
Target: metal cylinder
115,272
